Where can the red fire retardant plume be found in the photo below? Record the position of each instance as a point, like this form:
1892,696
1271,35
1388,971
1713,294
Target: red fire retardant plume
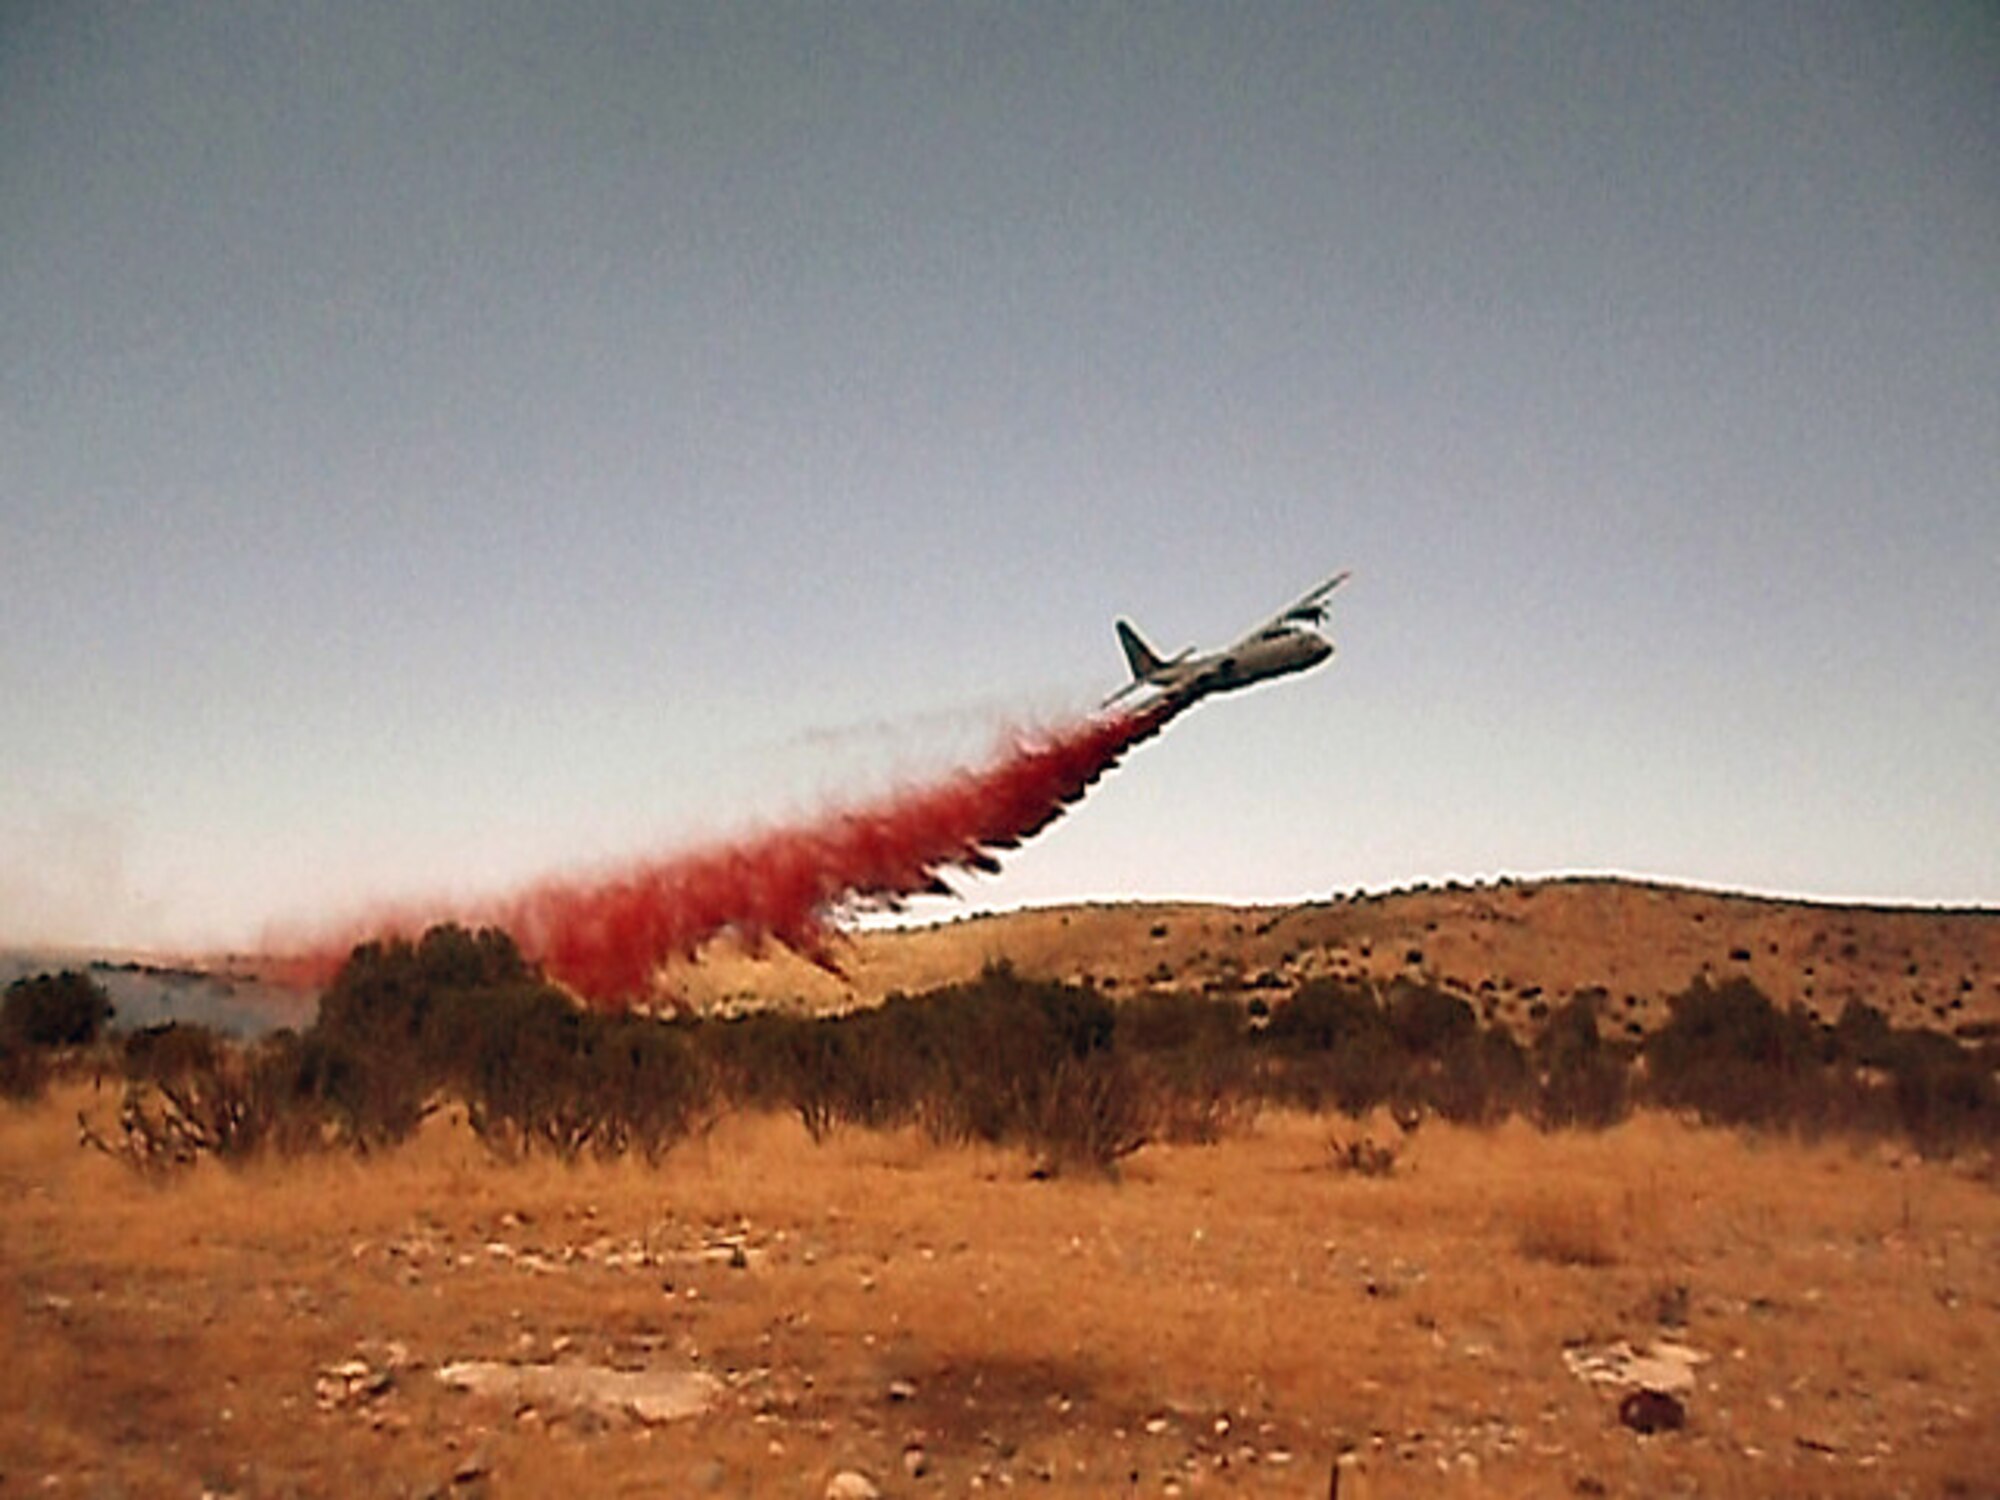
605,937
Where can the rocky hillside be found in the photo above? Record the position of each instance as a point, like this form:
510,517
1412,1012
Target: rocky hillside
1506,947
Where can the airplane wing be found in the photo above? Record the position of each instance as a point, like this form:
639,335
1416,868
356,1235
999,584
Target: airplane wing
1308,609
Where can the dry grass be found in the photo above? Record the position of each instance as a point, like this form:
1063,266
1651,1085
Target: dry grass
1565,1230
1235,1312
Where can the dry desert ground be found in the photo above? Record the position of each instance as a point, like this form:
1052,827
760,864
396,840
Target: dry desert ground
1222,1319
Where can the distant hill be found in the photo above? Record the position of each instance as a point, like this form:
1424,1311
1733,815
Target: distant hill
1507,947
146,992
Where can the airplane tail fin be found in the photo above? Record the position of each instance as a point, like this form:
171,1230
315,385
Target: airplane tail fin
1143,659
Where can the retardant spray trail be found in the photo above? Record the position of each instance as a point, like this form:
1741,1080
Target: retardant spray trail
607,936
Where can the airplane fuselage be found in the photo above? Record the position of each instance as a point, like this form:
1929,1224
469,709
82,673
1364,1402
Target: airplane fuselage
1276,654
1286,643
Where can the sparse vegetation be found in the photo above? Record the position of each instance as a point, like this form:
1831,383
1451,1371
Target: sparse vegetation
1562,1192
1058,1071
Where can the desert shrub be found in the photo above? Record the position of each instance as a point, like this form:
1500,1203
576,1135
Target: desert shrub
368,1097
1481,1078
1427,1022
172,1050
24,1070
1362,1156
524,1074
1733,1057
457,1011
1730,1055
55,1010
1192,1057
1352,1079
1945,1097
190,1094
1175,1021
538,1074
1092,1112
870,1069
649,1083
1333,1042
1329,1043
1864,1037
752,1057
999,1059
1199,1094
386,992
1324,1014
992,1051
1583,1082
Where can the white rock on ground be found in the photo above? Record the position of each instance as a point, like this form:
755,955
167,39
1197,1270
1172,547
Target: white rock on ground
652,1396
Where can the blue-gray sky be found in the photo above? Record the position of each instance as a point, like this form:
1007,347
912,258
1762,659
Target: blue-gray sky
444,442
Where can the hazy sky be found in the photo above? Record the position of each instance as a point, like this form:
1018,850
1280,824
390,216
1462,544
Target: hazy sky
442,442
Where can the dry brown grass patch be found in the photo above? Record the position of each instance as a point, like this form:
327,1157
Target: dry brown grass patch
1075,1329
1565,1230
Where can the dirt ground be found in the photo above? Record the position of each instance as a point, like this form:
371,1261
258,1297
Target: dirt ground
1227,1319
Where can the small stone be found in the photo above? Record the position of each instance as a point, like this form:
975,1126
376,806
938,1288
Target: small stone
1156,1425
902,1390
851,1484
916,1462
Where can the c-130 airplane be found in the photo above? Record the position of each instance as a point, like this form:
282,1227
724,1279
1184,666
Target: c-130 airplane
1288,642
